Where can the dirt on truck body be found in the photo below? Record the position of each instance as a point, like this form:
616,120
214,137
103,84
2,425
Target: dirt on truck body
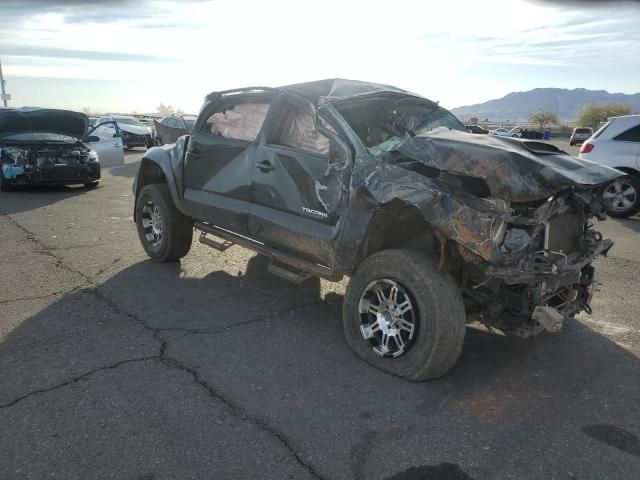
435,226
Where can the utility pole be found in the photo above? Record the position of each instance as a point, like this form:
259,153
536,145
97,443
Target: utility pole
5,95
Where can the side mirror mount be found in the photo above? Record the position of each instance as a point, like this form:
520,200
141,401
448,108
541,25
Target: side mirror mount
92,139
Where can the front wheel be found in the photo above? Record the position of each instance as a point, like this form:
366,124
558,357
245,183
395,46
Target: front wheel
403,316
164,232
622,197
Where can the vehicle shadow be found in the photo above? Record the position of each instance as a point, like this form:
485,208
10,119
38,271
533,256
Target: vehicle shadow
127,170
632,223
256,337
29,197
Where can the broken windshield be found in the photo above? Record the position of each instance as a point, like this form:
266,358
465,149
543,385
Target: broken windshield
383,122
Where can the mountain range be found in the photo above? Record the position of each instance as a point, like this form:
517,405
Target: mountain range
517,106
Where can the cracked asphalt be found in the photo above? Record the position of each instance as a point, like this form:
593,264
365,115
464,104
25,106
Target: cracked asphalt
114,367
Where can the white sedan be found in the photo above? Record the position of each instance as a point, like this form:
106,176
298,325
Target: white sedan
503,132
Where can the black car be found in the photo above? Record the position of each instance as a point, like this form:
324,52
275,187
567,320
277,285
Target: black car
477,130
435,226
45,146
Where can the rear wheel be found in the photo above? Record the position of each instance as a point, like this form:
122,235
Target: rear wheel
164,232
404,316
622,197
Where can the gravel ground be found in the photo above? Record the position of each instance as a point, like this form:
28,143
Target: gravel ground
117,367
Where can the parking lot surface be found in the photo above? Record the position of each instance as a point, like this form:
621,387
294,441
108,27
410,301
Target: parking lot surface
113,366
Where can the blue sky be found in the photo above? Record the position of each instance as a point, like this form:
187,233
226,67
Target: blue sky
131,56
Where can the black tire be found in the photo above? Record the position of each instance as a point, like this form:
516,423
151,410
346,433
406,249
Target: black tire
633,182
176,228
93,184
4,185
440,322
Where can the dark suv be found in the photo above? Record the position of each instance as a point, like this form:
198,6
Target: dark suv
435,226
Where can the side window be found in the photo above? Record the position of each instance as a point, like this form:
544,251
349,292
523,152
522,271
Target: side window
631,135
241,121
295,128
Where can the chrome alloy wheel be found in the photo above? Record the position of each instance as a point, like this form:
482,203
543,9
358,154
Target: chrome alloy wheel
152,223
620,195
387,318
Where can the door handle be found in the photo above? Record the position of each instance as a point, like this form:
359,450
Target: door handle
265,166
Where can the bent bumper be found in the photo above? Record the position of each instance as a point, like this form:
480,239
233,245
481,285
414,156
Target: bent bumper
57,175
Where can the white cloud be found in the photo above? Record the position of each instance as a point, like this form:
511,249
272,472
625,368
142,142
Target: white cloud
438,49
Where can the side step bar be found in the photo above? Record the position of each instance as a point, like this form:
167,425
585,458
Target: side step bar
220,246
283,264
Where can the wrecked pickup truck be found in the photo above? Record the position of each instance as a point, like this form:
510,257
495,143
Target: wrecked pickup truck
435,226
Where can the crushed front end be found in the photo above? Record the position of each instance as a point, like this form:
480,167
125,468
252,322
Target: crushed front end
28,163
541,272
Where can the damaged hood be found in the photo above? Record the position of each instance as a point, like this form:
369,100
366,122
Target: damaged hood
135,129
42,120
513,169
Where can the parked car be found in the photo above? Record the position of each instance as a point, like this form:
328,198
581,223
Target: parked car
150,124
133,132
53,147
579,135
172,127
435,226
526,133
503,132
477,129
617,144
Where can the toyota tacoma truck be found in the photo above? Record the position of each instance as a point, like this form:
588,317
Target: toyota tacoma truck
435,227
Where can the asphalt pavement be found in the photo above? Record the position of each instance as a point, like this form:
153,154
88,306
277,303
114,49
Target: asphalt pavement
115,367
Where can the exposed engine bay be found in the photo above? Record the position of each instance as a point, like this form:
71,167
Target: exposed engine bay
48,162
545,275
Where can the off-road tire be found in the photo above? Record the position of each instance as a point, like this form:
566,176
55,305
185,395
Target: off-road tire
441,319
177,232
633,209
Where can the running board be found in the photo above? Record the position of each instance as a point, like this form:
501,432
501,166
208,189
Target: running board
289,266
287,272
220,246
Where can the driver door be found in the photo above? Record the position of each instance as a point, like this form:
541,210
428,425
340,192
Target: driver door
106,143
300,170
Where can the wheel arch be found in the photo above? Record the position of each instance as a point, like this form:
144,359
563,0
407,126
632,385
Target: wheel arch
396,226
157,166
629,171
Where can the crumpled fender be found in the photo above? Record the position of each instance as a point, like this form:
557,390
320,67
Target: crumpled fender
468,221
170,159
